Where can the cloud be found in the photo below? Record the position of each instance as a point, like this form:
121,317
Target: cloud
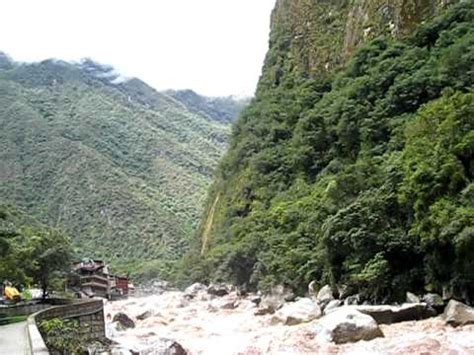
215,47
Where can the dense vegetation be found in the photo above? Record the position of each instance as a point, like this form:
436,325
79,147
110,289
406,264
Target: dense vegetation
65,336
122,168
362,178
31,253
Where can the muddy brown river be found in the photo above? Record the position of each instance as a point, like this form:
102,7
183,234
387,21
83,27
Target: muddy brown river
203,326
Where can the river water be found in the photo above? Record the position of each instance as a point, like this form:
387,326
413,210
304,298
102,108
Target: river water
203,326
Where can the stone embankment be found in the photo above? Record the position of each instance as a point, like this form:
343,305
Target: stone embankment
89,314
219,319
25,309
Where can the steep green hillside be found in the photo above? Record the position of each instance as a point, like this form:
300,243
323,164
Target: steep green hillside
124,169
359,177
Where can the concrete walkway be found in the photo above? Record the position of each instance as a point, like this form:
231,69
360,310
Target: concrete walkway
13,340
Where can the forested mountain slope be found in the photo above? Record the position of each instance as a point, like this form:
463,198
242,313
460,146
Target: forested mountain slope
221,109
121,167
353,165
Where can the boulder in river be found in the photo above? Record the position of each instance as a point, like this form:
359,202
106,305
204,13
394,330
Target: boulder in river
412,298
384,314
144,315
264,310
324,296
194,289
165,346
352,300
283,293
256,300
434,300
332,306
347,325
447,293
123,320
458,314
313,289
273,301
227,302
175,348
269,305
301,311
219,289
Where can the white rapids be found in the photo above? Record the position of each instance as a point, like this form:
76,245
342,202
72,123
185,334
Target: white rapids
203,326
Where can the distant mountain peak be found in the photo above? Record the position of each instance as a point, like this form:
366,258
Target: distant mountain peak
5,61
223,109
101,71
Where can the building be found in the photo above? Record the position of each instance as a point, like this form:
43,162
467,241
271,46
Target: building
92,278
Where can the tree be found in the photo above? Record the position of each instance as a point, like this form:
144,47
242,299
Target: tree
6,233
50,255
10,249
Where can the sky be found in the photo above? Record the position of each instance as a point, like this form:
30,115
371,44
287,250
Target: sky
215,47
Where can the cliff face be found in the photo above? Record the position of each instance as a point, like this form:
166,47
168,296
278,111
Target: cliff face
323,179
319,36
313,39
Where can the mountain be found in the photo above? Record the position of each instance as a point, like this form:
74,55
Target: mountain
353,164
221,109
5,61
122,168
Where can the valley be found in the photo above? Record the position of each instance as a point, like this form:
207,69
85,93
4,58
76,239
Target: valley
330,213
120,167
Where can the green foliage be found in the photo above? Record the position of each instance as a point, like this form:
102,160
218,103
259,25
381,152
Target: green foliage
438,187
7,231
11,320
122,168
37,254
49,254
63,336
363,178
26,295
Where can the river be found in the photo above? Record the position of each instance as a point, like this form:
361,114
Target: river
203,325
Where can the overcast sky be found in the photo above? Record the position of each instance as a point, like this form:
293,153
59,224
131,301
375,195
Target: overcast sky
215,47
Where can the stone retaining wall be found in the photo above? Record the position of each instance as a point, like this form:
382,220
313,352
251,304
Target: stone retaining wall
89,314
22,310
27,309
